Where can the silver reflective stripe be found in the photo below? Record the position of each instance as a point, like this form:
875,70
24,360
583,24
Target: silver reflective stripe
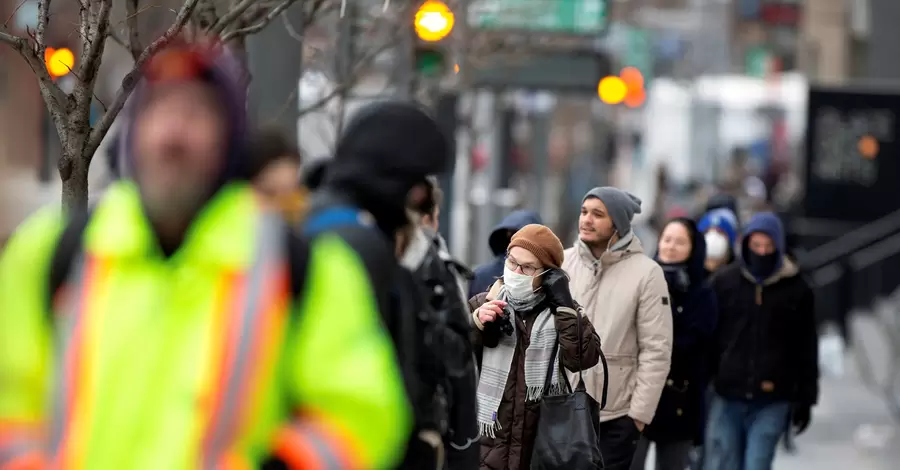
16,449
67,317
269,252
322,448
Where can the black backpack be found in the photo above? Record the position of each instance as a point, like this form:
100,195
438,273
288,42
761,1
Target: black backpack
446,361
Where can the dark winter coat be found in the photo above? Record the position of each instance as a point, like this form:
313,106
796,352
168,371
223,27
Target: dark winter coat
681,412
513,443
766,341
487,274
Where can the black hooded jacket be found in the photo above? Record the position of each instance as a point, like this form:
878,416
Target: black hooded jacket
681,412
385,150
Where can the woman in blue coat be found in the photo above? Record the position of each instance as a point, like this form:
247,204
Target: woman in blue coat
681,414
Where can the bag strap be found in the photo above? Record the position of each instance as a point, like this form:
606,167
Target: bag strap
555,365
581,386
67,248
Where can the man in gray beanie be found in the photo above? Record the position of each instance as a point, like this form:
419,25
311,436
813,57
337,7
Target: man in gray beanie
626,294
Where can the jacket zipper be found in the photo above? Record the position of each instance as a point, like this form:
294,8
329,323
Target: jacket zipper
759,290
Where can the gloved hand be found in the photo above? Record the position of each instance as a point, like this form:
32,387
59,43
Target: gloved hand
800,417
556,287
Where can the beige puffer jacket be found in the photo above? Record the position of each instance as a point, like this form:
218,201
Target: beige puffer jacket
626,298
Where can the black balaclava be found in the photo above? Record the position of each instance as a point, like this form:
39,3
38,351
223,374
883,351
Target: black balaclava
387,148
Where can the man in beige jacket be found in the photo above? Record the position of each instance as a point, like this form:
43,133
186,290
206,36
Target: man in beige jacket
626,294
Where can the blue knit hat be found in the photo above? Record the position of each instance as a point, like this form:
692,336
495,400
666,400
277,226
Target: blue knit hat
721,219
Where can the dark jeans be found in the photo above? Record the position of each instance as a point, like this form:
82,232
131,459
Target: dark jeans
743,435
669,455
618,442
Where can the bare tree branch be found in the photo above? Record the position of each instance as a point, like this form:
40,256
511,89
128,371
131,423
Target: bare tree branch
131,24
33,54
131,79
13,14
43,19
234,15
12,40
259,26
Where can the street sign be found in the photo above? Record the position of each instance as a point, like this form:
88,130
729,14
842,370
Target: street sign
639,53
756,61
583,17
541,72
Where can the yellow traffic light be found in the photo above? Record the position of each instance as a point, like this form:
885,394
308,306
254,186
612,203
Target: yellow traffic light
612,90
434,21
59,62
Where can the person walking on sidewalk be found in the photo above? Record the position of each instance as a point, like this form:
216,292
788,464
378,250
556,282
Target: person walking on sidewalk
767,376
626,298
518,323
680,416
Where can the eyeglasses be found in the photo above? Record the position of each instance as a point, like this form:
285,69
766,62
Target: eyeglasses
526,269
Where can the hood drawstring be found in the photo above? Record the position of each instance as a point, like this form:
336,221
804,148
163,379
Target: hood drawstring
610,242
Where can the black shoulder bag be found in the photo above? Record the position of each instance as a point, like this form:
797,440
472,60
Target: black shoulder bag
567,431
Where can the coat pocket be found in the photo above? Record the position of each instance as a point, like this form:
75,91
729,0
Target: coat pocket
622,371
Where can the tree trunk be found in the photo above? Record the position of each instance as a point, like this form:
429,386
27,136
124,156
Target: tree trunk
73,171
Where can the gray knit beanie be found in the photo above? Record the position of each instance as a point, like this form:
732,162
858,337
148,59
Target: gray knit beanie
620,205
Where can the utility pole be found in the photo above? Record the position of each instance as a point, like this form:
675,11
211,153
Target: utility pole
275,61
460,240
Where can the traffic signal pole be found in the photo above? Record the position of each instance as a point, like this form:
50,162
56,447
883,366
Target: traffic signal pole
459,187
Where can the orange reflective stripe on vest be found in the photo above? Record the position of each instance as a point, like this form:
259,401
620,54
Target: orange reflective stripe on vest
249,319
254,326
70,402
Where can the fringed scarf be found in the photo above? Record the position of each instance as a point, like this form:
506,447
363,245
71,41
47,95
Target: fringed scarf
496,362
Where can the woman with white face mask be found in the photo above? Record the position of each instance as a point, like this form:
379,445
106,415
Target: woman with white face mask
520,321
719,229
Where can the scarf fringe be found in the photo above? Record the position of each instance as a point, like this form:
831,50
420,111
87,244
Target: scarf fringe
535,393
489,429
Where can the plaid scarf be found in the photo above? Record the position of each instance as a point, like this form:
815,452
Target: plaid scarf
496,362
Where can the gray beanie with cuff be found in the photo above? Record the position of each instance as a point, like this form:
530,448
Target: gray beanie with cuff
620,205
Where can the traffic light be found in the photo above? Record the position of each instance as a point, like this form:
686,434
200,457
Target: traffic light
626,88
59,62
612,90
634,82
433,23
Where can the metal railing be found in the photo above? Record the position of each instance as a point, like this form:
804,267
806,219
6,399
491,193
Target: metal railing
851,271
850,274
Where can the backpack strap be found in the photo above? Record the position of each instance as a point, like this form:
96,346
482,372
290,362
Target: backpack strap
334,217
67,248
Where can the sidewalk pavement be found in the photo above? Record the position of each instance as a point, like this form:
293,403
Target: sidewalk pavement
852,427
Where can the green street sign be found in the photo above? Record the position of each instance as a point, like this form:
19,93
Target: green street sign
756,61
584,17
639,53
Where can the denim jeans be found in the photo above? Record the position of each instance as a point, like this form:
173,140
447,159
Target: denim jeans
743,435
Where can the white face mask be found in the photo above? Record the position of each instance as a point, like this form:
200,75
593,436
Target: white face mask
716,245
518,286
